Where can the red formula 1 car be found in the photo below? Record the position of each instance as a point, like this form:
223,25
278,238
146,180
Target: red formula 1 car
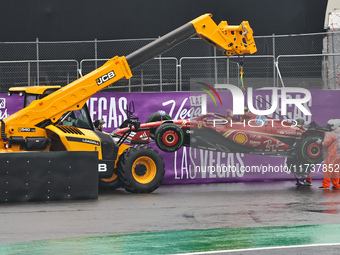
249,133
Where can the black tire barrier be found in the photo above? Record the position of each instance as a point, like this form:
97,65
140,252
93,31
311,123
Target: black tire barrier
47,176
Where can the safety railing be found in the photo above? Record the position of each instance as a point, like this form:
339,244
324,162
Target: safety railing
33,72
308,60
309,70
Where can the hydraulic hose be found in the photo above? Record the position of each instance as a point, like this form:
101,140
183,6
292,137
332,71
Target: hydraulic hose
3,133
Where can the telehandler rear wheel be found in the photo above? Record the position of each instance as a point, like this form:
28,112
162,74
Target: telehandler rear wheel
141,169
111,183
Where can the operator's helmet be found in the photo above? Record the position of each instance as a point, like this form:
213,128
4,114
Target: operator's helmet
98,124
300,121
333,124
246,109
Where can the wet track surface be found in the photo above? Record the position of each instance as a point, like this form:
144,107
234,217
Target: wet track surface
247,211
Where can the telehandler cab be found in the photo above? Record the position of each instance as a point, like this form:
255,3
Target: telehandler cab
56,118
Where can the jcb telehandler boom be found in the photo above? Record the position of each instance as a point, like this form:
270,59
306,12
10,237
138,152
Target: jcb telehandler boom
59,120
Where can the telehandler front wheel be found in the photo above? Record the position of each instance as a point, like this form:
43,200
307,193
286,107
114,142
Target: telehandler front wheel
141,169
111,183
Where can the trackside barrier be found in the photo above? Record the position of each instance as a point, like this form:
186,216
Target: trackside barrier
47,176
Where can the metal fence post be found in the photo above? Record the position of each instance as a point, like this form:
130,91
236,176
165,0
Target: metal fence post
278,72
177,66
95,53
141,81
160,73
274,57
180,74
37,48
215,66
334,69
29,74
228,70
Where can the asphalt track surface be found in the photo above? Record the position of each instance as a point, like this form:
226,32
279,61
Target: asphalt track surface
221,218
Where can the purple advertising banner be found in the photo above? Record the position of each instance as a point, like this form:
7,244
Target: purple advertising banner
182,166
190,165
10,104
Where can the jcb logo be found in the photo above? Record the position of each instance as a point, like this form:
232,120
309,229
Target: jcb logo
102,168
105,78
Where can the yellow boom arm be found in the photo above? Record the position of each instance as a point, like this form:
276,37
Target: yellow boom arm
232,40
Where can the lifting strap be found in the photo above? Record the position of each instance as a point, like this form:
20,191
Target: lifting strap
241,84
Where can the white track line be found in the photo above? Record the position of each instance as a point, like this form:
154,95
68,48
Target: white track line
259,249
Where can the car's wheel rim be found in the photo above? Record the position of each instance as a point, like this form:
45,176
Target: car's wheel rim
170,138
314,150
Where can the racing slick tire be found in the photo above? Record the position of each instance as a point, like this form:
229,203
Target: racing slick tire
309,152
158,116
111,183
169,137
141,169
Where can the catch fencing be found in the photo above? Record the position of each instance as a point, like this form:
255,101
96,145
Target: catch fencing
307,60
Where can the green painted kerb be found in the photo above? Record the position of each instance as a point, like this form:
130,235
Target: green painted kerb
173,242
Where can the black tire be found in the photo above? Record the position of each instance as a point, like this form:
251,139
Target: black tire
169,137
141,169
111,183
309,152
158,116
